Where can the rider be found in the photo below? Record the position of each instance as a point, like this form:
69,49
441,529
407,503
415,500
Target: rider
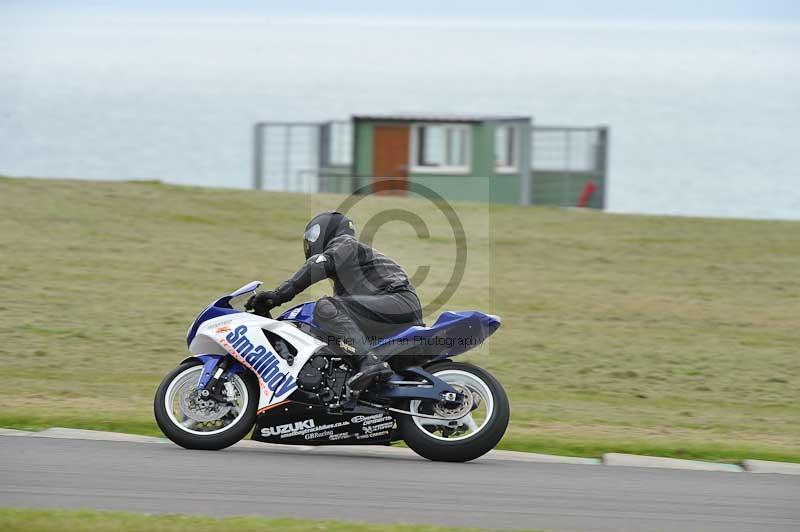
372,294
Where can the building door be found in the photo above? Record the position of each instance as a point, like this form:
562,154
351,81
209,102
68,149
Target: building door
390,159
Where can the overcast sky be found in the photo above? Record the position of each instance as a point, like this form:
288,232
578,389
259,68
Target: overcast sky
627,9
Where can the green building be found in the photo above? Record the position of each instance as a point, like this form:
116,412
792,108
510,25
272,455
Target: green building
498,159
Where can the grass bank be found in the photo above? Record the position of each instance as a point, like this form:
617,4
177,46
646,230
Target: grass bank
670,336
91,521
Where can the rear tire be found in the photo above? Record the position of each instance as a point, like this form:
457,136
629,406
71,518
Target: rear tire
471,447
207,442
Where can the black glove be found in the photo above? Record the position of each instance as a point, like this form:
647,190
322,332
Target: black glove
262,303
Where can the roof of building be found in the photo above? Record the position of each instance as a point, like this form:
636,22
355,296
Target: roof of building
439,118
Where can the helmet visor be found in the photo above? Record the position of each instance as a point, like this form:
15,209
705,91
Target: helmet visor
312,233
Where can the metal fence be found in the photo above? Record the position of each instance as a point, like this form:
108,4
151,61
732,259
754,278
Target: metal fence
304,156
293,156
565,160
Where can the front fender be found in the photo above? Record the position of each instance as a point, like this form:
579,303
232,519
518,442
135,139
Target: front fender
210,363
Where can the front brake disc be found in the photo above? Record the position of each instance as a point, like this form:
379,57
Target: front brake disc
202,410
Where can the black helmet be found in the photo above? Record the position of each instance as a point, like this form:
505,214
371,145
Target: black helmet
323,228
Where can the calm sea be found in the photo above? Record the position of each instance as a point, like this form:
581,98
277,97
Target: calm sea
705,118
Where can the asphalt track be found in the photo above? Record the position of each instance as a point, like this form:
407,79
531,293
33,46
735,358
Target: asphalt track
260,480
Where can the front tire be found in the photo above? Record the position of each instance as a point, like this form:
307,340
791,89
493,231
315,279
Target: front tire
203,433
425,441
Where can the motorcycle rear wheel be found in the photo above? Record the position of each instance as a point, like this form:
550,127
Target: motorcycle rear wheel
438,443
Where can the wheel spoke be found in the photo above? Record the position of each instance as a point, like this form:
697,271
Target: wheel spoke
472,422
204,415
469,422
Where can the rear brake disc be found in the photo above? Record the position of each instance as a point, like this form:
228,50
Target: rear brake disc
458,411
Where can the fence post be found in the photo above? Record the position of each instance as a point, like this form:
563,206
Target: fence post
323,154
525,161
566,180
258,156
287,153
602,164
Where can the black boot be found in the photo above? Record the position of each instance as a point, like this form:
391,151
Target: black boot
371,369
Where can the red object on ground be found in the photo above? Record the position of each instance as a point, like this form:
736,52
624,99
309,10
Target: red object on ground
586,195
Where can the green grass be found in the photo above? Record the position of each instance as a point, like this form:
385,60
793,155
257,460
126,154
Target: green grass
667,336
12,520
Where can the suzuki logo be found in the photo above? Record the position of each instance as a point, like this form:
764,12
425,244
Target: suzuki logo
288,428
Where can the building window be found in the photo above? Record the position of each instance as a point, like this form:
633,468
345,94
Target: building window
506,152
441,148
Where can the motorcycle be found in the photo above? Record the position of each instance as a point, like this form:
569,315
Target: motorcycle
282,380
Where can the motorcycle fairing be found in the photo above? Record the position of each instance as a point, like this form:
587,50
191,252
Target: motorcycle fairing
295,423
220,307
302,313
241,335
453,333
211,312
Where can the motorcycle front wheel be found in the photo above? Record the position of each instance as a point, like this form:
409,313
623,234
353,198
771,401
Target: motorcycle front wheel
194,422
463,435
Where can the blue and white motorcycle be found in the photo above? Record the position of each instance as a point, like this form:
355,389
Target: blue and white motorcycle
278,378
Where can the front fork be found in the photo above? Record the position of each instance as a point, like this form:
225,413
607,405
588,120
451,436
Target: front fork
216,371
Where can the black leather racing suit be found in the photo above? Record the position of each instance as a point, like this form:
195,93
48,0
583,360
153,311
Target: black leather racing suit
373,297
